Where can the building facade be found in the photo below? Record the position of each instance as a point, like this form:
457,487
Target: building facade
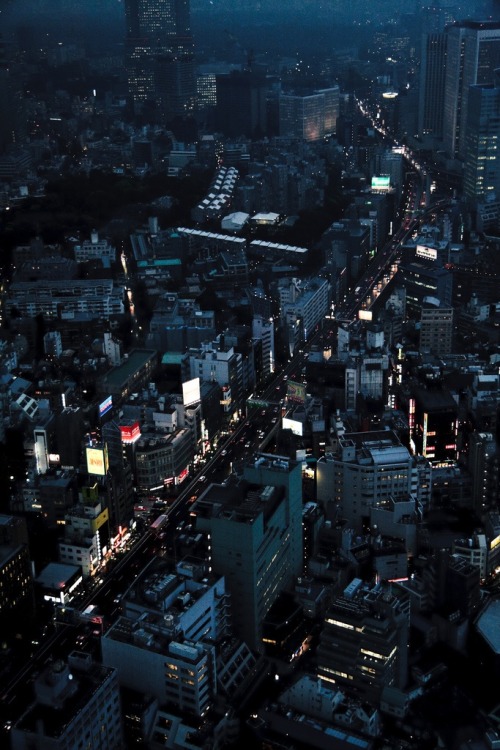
255,527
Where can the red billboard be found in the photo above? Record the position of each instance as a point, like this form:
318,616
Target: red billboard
130,432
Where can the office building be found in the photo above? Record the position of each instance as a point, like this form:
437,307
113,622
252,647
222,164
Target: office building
95,249
483,464
179,324
473,549
55,493
131,375
263,329
366,376
433,419
309,118
255,527
420,279
488,640
69,431
472,56
303,306
160,57
363,645
241,108
436,327
77,701
17,604
366,470
173,640
55,298
482,143
432,81
217,362
162,460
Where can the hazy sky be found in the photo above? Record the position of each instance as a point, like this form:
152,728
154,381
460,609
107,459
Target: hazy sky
97,22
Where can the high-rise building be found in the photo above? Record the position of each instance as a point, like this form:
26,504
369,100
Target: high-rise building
483,466
263,329
473,54
160,56
241,108
432,80
255,527
482,141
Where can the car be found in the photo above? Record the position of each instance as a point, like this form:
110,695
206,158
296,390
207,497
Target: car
223,452
203,478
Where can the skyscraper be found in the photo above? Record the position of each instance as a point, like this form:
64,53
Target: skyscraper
482,140
160,57
241,103
432,79
473,54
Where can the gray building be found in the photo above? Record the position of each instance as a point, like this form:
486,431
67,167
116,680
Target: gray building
255,527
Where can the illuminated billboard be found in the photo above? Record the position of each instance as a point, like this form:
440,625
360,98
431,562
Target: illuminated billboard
382,182
296,392
294,425
429,253
365,315
191,392
130,432
97,461
105,406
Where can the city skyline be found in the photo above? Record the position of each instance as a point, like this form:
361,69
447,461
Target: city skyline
249,375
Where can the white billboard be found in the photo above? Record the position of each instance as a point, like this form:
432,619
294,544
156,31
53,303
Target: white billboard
424,251
294,425
191,392
365,315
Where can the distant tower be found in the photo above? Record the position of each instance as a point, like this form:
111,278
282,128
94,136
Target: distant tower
13,119
160,56
241,104
432,80
473,54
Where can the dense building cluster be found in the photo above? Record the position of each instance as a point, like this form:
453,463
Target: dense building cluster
249,384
